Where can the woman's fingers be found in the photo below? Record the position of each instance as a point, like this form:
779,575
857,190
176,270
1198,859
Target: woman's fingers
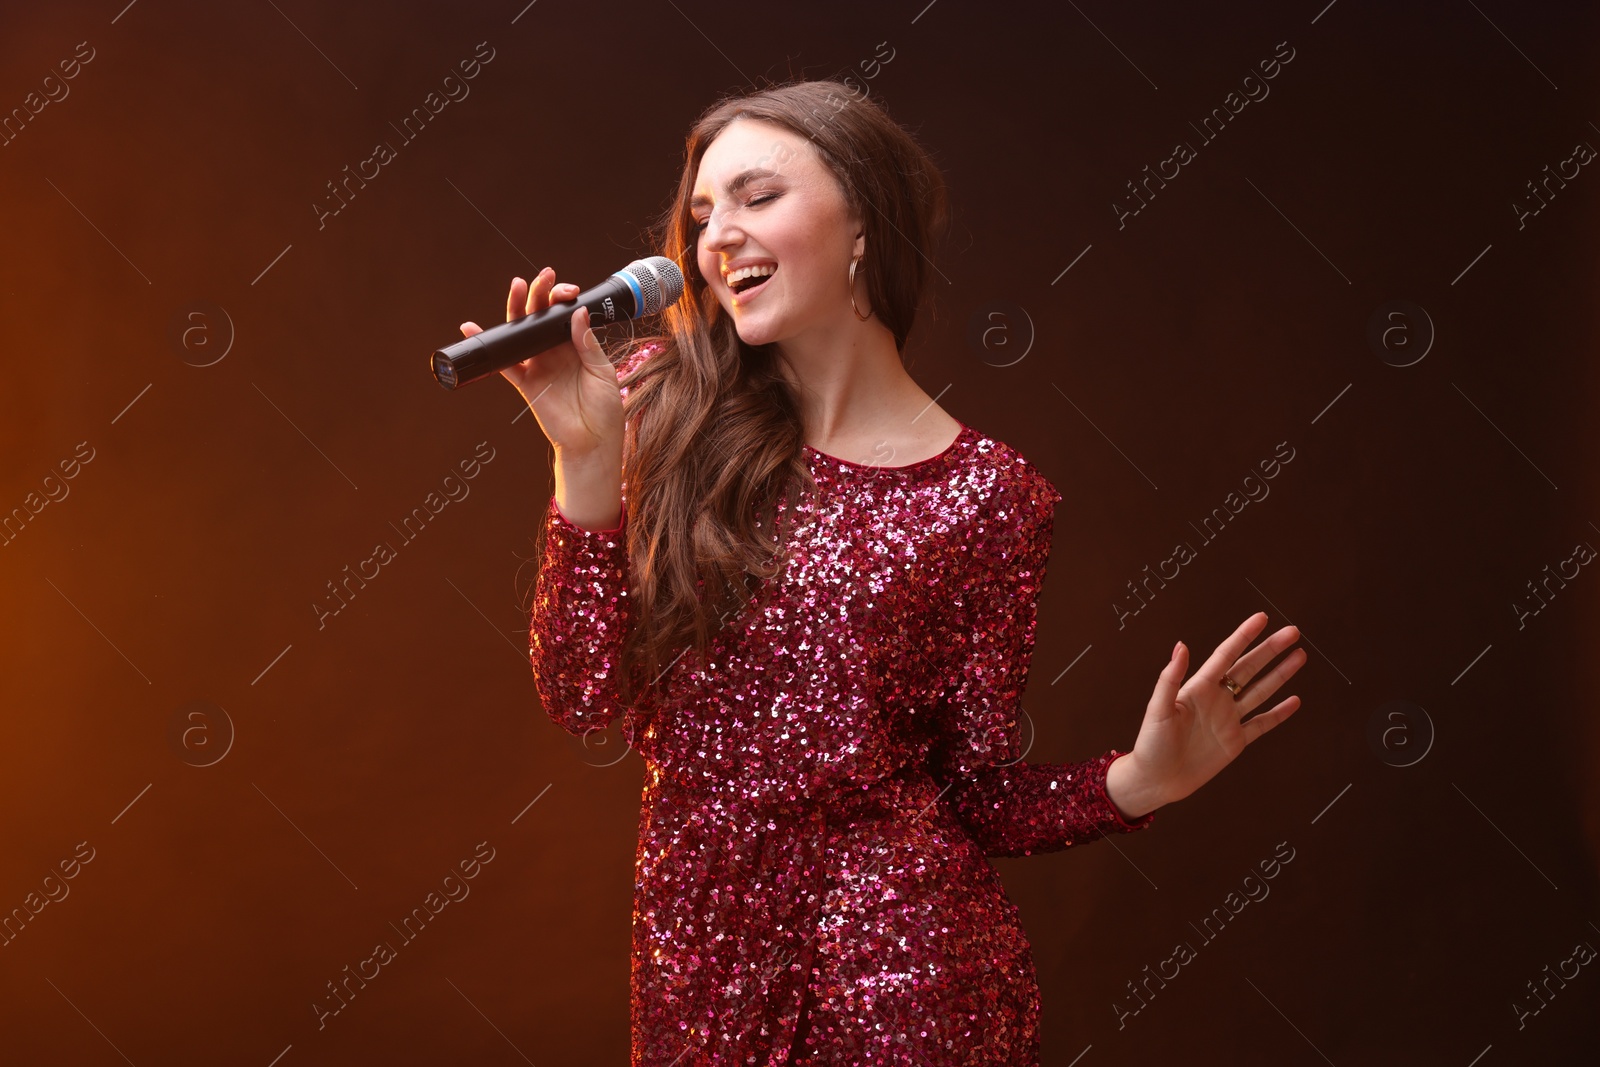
1232,659
1269,683
1170,680
1268,719
584,340
515,299
1231,649
579,324
1249,665
530,298
539,293
470,328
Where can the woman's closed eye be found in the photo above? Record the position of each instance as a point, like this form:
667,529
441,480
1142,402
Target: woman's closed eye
700,224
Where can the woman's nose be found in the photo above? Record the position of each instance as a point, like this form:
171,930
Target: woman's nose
719,232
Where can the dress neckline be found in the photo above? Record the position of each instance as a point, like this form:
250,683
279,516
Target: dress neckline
948,449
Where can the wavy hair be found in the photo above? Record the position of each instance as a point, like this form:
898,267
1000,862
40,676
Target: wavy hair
712,455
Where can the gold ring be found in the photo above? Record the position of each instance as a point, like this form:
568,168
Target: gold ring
1231,686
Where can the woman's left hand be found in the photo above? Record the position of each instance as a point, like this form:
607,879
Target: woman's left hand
1192,729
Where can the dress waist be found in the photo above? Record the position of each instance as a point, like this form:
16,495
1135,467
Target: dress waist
909,791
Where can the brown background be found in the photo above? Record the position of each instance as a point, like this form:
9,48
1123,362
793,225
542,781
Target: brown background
371,755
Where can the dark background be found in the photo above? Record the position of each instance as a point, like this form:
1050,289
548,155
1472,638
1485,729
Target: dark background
248,848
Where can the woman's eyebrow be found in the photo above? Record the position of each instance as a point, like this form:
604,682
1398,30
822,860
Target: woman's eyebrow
740,180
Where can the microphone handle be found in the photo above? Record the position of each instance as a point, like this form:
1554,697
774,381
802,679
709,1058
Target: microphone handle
477,357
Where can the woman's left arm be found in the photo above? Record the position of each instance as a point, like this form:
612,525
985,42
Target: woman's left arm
1010,807
1191,729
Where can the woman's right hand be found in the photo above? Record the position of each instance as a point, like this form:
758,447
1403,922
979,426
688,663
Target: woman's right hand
571,388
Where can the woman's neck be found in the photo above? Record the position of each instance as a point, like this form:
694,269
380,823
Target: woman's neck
854,391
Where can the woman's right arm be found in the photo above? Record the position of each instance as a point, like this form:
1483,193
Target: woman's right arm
574,394
589,490
580,612
581,608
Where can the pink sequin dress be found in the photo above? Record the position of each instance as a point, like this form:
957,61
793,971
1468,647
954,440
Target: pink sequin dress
811,882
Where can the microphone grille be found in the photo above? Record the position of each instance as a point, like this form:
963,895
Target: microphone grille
661,281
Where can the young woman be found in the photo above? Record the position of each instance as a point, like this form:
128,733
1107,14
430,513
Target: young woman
812,601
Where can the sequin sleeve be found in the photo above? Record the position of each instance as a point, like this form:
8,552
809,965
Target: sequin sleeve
581,612
1010,807
579,619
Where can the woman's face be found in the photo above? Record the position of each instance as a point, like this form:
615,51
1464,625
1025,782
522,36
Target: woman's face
764,198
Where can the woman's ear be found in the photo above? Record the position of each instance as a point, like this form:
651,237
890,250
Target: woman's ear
858,225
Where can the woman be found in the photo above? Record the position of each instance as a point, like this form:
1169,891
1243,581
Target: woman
813,601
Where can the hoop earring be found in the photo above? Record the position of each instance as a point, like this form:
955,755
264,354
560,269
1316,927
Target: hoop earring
853,307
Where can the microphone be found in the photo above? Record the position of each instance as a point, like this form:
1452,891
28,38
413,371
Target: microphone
643,287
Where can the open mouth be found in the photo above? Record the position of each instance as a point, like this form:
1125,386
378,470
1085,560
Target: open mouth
746,283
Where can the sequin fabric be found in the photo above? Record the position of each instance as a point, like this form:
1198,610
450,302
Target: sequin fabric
822,791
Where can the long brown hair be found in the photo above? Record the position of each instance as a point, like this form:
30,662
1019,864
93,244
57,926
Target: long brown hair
714,429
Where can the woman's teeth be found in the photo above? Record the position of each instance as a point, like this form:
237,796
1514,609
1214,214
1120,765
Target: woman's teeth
736,277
